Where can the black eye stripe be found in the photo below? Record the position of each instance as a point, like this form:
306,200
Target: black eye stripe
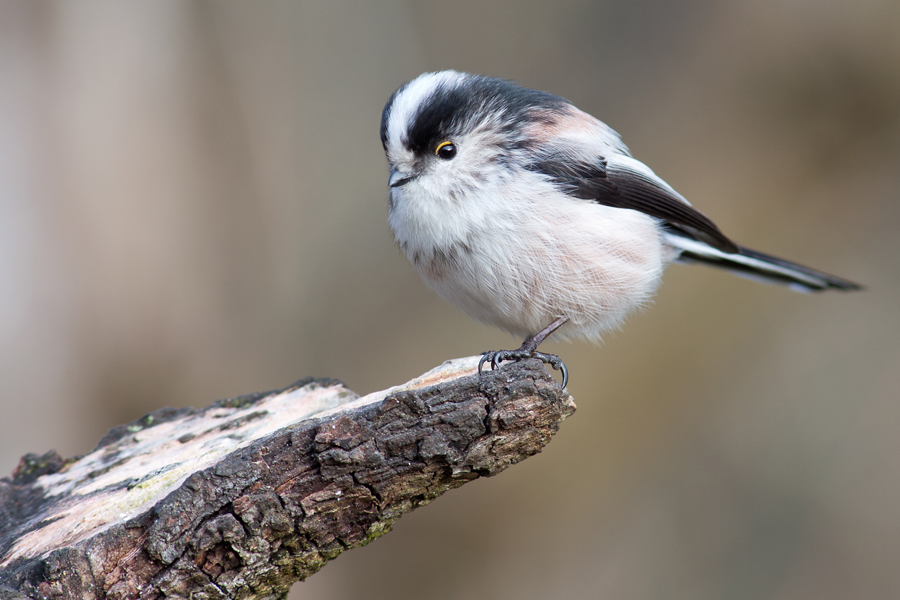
454,108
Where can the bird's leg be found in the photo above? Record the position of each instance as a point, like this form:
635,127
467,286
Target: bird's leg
528,349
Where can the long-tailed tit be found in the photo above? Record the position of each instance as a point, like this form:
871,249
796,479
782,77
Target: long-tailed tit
531,215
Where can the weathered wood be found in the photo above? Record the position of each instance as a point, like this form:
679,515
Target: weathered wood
245,497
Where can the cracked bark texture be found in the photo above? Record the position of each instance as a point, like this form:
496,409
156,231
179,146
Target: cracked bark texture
247,496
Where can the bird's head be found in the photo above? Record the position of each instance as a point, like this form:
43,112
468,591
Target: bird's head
448,134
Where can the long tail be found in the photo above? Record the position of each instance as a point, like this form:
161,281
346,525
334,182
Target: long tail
758,266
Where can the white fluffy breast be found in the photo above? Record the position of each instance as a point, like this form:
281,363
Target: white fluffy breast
516,253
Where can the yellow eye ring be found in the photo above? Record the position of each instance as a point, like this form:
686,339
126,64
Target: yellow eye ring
445,150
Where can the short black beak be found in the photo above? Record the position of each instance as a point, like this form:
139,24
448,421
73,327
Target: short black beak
397,178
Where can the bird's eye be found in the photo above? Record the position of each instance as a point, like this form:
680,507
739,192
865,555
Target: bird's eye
445,150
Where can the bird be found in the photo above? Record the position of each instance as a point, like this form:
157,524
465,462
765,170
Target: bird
530,215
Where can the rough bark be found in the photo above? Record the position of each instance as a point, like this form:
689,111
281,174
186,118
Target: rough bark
245,497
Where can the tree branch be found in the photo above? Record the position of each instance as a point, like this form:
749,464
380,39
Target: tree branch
245,497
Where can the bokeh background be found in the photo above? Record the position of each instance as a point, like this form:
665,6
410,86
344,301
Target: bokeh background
193,206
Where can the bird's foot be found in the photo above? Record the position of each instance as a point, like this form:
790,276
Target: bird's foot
495,357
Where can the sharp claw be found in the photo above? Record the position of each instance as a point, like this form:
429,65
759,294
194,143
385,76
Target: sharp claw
496,357
481,362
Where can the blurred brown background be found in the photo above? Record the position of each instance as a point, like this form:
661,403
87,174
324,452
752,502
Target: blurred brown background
193,206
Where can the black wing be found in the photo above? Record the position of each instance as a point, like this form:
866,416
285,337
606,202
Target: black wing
615,183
